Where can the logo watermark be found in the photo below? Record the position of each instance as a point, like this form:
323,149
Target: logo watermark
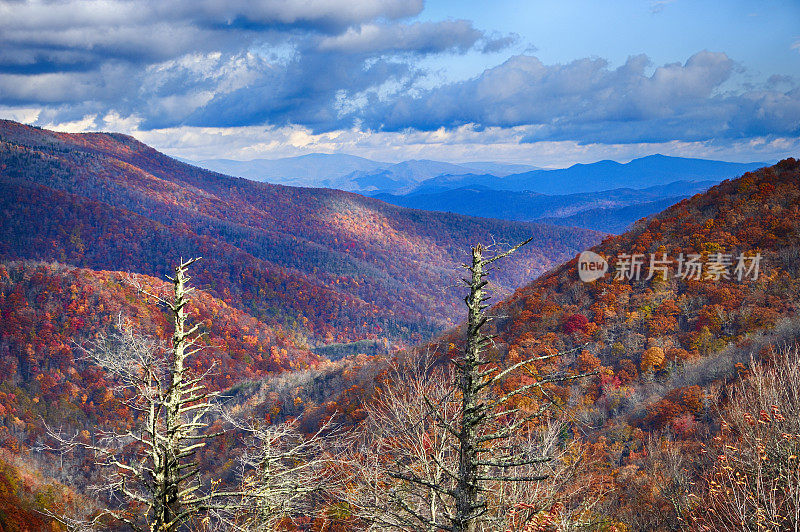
634,267
591,266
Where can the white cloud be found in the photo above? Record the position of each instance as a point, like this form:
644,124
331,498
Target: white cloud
263,61
421,37
342,75
587,101
462,144
26,115
657,6
84,125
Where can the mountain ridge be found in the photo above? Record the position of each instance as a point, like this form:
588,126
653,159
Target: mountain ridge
479,200
418,175
603,175
306,258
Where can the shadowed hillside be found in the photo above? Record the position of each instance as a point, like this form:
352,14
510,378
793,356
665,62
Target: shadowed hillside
334,266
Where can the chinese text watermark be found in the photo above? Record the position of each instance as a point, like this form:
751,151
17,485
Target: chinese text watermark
688,267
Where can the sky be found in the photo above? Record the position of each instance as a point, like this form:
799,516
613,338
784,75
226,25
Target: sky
548,83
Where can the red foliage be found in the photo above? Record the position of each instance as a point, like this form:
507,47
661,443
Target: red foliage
576,322
331,264
48,310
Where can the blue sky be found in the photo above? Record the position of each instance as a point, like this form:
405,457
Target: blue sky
549,83
757,33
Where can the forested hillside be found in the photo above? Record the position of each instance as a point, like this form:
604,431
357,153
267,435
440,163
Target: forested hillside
333,265
686,318
670,351
697,311
49,313
668,347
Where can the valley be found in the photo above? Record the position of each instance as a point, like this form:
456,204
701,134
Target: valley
313,300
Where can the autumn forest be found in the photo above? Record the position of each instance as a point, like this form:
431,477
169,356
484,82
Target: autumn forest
317,368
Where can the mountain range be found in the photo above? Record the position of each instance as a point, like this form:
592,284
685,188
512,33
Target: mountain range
667,352
606,189
617,208
595,177
330,265
357,174
290,276
351,173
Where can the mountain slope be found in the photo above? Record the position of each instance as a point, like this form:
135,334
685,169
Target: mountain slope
613,220
50,310
557,209
757,213
333,266
602,175
665,350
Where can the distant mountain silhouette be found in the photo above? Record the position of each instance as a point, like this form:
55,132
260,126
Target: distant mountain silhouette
365,176
351,173
608,211
602,175
305,170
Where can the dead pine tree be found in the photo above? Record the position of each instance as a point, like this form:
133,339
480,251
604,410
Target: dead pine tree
152,469
486,421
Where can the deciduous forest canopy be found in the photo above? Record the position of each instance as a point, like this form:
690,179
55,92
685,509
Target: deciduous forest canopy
399,265
91,223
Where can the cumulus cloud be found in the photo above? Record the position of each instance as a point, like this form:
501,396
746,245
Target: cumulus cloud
420,37
214,62
330,65
306,90
589,101
57,36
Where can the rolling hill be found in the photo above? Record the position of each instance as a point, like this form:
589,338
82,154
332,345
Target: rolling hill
330,265
610,211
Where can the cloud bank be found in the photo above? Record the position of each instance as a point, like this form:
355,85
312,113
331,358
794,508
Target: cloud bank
327,65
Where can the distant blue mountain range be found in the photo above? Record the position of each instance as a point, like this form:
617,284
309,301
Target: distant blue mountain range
611,206
348,172
603,175
605,196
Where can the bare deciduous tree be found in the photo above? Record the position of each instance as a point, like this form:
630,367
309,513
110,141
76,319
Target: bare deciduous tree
400,429
452,441
754,479
152,469
286,476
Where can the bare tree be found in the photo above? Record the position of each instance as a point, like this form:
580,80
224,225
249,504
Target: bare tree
487,420
152,470
454,441
754,478
401,433
286,476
